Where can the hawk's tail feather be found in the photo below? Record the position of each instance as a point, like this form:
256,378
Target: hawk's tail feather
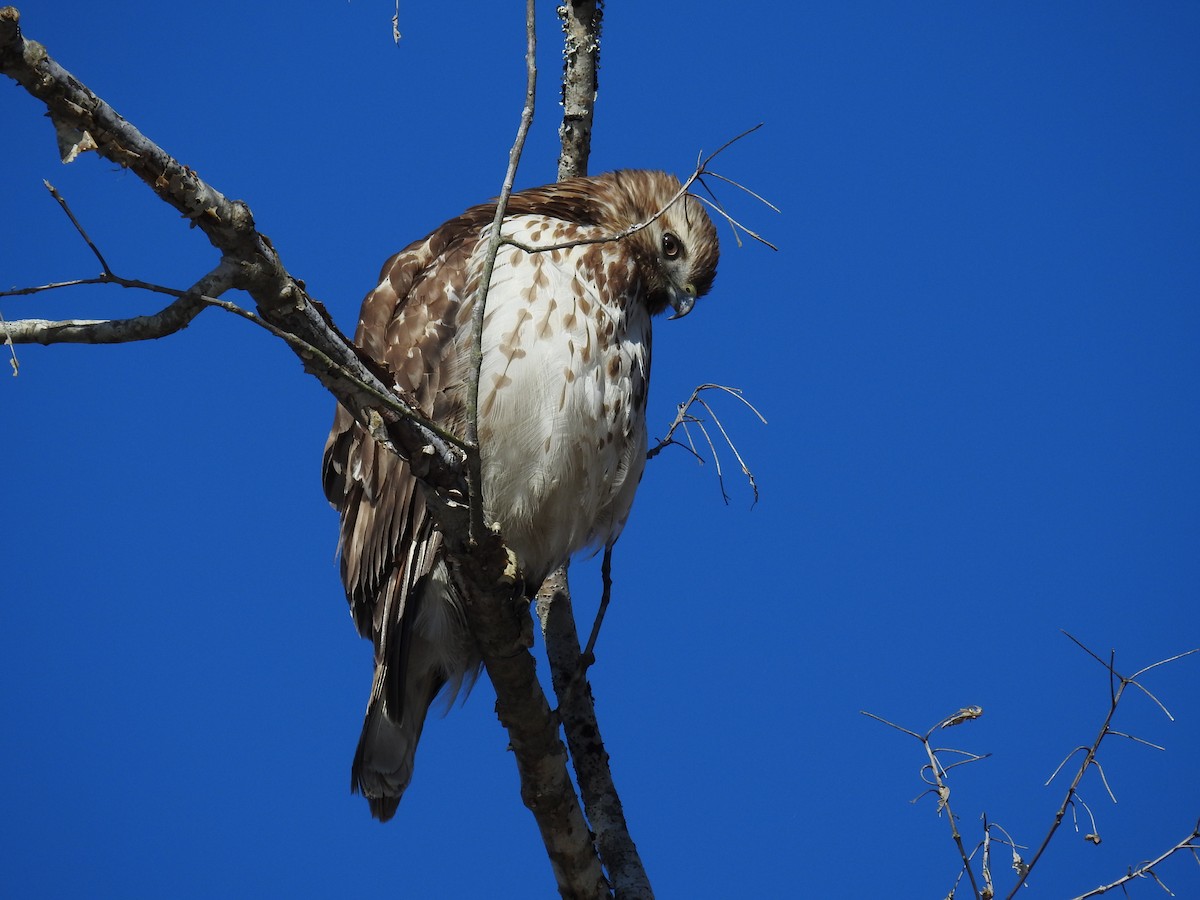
383,761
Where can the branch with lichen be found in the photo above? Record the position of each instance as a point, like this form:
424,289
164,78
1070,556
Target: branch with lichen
581,82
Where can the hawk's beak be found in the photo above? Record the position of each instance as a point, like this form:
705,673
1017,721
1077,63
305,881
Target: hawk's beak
682,301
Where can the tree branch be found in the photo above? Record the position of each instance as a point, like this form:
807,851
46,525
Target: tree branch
578,714
256,268
170,319
581,68
581,53
249,262
1146,869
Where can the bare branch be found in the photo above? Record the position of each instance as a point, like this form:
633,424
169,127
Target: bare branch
1118,684
741,187
715,204
250,263
684,417
489,264
170,319
1163,662
871,715
581,66
83,234
1136,739
577,712
1146,869
935,768
700,170
589,652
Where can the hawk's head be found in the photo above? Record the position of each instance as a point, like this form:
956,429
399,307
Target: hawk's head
685,246
677,252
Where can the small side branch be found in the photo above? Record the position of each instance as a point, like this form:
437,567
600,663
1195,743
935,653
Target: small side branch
1117,685
172,318
489,265
934,774
684,417
1146,869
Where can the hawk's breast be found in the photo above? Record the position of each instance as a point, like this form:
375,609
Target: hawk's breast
566,359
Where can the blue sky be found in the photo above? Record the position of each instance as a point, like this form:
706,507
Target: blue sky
977,349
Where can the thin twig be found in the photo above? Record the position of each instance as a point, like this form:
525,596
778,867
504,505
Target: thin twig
683,417
732,446
489,264
1118,685
589,652
83,234
734,223
1146,869
700,170
741,187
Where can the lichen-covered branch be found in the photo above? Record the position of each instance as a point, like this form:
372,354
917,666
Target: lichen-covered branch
581,67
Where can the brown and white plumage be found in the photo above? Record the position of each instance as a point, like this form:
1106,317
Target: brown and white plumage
562,399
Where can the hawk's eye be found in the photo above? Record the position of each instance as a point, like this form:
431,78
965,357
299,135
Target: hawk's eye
672,249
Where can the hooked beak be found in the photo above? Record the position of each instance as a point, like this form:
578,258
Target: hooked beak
682,301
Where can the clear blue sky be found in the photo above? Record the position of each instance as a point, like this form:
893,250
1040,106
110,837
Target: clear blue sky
978,348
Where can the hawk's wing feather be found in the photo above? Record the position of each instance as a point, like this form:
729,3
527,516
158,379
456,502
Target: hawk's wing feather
403,324
409,322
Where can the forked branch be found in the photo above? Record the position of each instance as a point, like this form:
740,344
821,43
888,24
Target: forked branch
934,771
684,418
1117,686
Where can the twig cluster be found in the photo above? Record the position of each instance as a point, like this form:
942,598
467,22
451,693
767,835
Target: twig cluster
940,760
685,417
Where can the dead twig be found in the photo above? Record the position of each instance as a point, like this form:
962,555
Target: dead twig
684,417
684,189
1146,869
934,772
1118,684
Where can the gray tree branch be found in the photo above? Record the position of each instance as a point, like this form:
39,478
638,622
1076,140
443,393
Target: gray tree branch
250,263
577,711
581,68
581,63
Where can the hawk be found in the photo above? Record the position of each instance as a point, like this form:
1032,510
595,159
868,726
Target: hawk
561,420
